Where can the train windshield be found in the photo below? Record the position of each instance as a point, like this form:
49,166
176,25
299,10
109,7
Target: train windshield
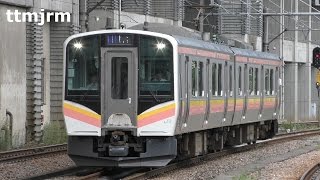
155,67
83,66
82,80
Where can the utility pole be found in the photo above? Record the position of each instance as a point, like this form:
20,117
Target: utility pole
201,19
119,13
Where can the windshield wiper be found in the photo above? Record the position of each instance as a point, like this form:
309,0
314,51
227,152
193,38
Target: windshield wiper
154,97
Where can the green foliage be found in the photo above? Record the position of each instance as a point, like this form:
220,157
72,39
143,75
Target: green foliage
5,138
54,133
289,126
243,177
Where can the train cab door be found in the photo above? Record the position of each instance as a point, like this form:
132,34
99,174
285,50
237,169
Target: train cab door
119,87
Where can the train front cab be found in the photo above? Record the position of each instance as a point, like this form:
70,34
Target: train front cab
127,119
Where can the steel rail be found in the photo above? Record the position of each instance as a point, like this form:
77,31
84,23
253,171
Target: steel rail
312,173
138,173
196,160
31,152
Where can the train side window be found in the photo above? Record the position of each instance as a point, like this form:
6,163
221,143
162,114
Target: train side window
194,80
200,80
256,81
214,80
267,82
251,81
240,81
220,92
230,81
271,82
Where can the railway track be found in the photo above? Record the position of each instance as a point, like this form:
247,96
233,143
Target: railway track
21,154
137,173
312,174
196,160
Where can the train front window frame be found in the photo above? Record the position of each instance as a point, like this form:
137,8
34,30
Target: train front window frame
155,67
83,67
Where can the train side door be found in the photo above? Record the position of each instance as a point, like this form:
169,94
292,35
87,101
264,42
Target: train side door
217,98
274,87
245,91
254,98
262,91
208,92
225,91
239,93
119,87
229,96
185,91
278,92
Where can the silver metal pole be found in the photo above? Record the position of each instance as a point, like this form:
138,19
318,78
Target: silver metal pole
201,16
119,15
282,58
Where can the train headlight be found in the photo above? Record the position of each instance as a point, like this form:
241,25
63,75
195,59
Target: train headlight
161,46
77,45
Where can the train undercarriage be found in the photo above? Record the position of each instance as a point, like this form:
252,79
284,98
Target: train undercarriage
123,149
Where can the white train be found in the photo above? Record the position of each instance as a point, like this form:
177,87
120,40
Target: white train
137,98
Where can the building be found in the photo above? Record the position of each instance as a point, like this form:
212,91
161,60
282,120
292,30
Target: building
31,68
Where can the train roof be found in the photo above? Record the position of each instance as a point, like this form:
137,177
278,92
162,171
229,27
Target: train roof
169,30
255,54
190,42
187,37
223,48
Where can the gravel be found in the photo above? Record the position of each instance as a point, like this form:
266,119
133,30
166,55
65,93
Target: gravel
289,169
288,160
277,161
35,167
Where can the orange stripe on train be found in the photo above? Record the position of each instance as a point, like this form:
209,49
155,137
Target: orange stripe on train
82,115
156,115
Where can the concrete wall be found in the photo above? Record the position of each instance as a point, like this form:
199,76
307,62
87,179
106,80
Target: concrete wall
13,74
46,81
19,79
128,19
300,94
57,5
24,3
